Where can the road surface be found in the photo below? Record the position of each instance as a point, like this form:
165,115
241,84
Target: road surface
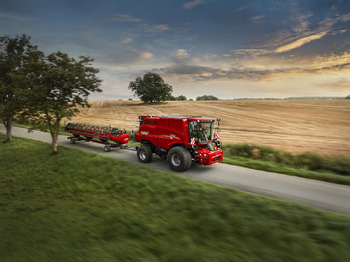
319,194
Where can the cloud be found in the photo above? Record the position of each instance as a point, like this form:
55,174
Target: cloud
340,85
303,29
127,40
160,28
256,18
16,17
127,58
145,55
194,3
325,69
124,18
184,71
180,55
202,73
300,42
250,52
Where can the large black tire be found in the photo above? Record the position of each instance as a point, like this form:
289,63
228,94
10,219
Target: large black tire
179,159
144,154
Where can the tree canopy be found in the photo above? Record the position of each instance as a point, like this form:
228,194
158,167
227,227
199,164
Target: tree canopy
151,88
42,89
178,98
65,84
16,53
206,98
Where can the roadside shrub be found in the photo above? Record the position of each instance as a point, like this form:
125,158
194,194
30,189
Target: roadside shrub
308,160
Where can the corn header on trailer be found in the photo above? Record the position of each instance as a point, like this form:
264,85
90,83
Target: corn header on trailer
110,137
180,140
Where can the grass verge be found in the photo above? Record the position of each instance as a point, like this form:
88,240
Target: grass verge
309,165
81,206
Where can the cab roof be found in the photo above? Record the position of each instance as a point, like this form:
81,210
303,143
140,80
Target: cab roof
190,118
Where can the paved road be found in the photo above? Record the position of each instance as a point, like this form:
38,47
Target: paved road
322,195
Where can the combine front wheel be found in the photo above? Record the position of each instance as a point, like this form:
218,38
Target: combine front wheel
144,154
179,159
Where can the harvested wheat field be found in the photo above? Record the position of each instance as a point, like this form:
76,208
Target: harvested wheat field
321,126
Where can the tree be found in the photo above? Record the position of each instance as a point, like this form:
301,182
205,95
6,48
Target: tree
63,85
15,54
348,97
171,98
151,88
181,98
206,98
178,98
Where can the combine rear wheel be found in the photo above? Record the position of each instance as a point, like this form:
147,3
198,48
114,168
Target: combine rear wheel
179,159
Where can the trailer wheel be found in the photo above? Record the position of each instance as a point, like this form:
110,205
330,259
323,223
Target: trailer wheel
72,140
107,148
179,159
144,154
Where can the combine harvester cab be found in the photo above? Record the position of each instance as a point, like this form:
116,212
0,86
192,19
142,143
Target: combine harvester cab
110,137
179,139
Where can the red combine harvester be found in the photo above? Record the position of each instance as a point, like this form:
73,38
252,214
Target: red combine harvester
179,139
110,137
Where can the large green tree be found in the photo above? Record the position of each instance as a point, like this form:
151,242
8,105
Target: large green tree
151,88
60,86
16,53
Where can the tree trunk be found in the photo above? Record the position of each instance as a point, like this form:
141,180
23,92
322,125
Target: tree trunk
8,126
54,143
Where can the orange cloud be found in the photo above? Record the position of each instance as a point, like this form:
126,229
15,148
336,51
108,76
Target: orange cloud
300,42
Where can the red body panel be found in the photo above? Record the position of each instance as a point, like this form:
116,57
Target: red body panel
163,132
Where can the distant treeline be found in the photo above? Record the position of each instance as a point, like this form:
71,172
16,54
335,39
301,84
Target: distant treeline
213,98
317,98
296,98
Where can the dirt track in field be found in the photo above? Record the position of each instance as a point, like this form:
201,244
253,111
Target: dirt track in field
321,126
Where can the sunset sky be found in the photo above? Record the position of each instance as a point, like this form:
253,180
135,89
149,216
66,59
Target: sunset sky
230,49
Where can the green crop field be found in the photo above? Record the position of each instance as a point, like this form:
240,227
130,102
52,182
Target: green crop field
78,206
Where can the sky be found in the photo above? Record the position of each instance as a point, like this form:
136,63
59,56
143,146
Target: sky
226,48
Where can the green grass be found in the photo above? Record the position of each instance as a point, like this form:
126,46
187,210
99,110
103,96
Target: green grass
309,165
78,206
